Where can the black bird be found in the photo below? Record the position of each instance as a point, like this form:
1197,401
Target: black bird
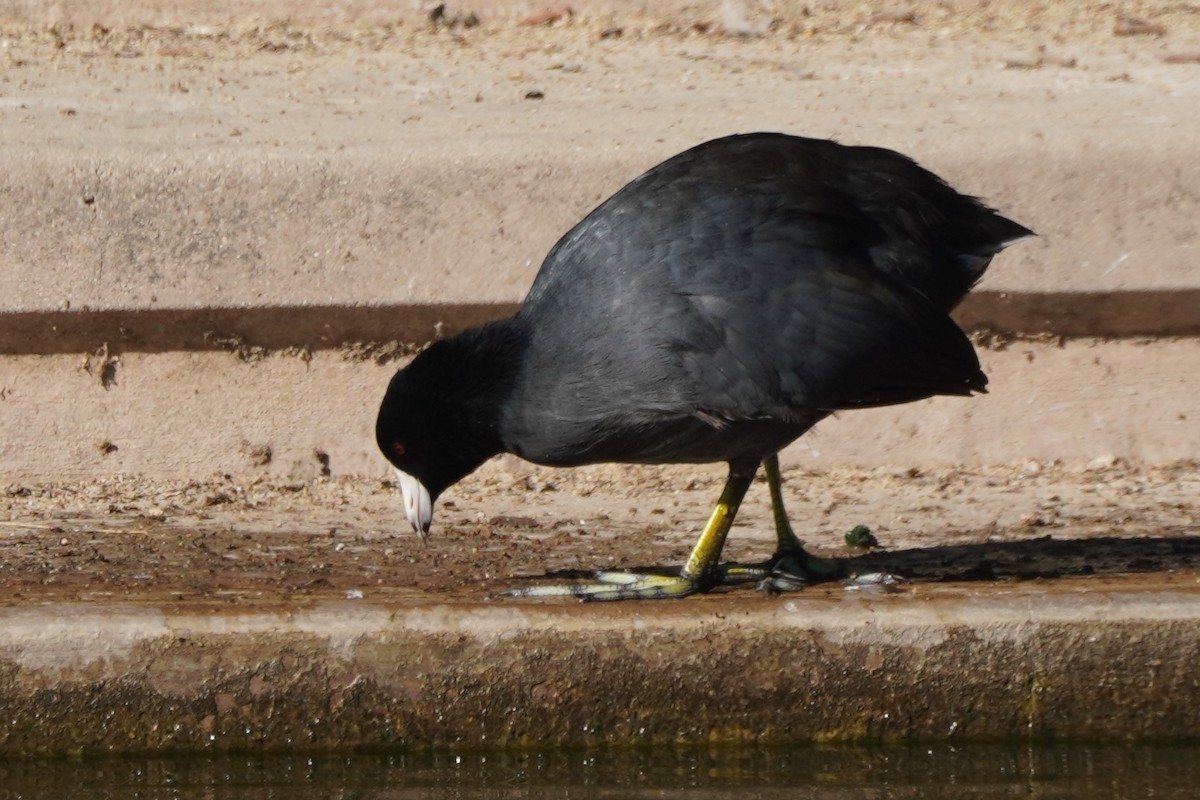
714,309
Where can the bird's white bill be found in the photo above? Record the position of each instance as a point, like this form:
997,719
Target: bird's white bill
417,505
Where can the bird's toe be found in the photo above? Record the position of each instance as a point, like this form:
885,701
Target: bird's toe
788,570
615,585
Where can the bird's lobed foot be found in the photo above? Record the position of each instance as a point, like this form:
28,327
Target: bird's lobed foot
615,585
786,571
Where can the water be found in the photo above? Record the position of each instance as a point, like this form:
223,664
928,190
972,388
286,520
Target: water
941,771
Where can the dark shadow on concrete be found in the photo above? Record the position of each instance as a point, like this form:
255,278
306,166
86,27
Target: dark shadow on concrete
1045,557
1152,312
1168,312
236,329
1030,559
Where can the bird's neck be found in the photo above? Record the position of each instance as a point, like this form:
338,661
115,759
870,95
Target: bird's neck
487,363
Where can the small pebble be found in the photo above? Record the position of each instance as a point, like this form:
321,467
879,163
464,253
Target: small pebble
860,536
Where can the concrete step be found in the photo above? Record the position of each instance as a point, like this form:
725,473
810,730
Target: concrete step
1017,663
195,170
200,413
352,189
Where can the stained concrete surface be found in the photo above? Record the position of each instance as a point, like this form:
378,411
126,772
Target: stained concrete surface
1029,663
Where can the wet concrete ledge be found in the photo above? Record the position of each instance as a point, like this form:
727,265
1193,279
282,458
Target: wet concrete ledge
1118,314
942,663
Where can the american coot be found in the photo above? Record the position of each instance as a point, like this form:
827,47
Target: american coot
714,309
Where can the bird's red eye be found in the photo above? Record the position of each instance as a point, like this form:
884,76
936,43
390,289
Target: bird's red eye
398,448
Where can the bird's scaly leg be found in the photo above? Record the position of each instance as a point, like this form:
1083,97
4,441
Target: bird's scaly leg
791,567
699,573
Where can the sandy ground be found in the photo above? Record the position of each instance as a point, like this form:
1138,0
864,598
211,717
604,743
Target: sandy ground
266,541
1014,100
237,540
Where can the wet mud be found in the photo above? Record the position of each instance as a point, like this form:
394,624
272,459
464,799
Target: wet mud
234,543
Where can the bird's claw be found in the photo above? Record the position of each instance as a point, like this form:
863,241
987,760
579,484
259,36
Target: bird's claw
787,571
615,585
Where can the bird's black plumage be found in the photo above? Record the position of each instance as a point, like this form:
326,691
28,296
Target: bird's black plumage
714,309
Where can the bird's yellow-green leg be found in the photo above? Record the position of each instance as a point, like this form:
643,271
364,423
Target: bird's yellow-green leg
698,574
791,567
706,555
785,538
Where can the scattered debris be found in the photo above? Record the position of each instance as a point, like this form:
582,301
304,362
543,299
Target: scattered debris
1041,59
893,17
548,17
998,341
1182,58
860,537
988,339
380,352
736,22
302,352
1105,462
1037,520
259,455
874,580
509,521
535,94
440,19
101,365
1132,26
237,345
153,514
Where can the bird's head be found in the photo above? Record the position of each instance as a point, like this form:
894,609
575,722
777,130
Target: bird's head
429,429
418,498
415,436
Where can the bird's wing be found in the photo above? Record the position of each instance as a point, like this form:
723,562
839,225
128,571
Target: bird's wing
809,324
721,296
